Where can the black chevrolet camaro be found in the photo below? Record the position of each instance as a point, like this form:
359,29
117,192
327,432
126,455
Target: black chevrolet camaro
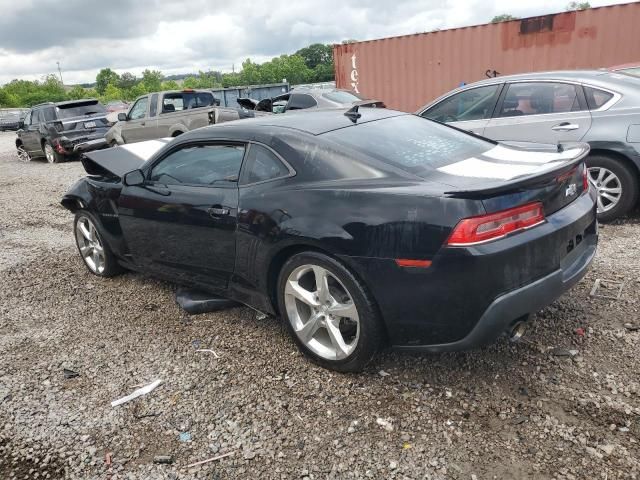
358,228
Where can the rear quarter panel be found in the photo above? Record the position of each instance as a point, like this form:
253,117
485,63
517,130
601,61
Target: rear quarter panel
345,222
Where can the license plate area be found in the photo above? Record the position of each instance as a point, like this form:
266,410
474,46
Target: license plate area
89,124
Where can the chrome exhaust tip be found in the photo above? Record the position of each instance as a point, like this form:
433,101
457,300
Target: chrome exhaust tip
517,331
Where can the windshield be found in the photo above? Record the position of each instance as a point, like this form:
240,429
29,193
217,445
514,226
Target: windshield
79,109
411,143
340,96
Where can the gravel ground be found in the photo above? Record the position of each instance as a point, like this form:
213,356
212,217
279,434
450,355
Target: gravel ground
510,411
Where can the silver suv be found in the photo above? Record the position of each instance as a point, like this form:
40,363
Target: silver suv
598,107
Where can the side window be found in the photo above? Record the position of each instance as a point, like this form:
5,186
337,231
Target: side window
36,117
49,114
204,99
261,165
199,165
473,104
301,101
153,106
172,102
139,110
538,98
596,98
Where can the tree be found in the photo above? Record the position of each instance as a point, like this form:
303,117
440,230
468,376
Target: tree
127,81
578,6
505,17
171,85
152,80
76,93
104,78
316,54
111,93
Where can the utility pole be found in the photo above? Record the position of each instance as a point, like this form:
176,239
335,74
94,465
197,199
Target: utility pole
60,72
233,68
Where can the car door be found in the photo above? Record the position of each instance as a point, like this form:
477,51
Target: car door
541,112
30,135
181,223
133,129
469,109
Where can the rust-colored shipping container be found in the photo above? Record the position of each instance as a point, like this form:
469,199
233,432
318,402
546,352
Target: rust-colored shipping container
408,71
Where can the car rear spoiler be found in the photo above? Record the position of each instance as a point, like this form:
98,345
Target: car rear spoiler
117,161
564,159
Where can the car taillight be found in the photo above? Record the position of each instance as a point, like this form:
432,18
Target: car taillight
585,177
473,230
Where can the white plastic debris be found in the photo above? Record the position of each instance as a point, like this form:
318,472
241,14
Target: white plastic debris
208,350
386,424
138,393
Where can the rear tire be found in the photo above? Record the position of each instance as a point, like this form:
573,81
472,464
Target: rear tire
338,326
616,185
50,153
94,251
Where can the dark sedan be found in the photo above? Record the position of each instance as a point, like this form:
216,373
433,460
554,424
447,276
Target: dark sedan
358,227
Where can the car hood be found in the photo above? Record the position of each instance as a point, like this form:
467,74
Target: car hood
117,161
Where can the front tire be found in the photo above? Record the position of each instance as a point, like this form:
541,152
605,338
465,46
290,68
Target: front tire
615,184
23,155
329,312
50,153
94,251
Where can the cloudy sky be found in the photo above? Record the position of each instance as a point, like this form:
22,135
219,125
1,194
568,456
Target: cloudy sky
181,37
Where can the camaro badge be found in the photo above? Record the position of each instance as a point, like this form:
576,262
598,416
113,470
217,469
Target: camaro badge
571,190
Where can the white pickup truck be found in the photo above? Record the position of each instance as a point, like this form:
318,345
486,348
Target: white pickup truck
169,114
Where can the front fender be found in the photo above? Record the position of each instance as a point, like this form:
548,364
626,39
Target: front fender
78,197
114,134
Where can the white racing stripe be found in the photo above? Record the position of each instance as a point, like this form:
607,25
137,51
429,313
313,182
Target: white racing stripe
477,168
145,150
536,157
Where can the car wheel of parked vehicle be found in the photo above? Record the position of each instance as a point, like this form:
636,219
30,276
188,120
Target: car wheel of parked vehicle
95,253
23,155
328,311
50,153
615,184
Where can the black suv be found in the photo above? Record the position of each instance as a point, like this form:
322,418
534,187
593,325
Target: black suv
59,130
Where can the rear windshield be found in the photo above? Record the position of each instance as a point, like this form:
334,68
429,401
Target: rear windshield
412,143
79,109
341,96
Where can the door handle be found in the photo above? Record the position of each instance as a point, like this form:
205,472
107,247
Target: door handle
218,211
565,127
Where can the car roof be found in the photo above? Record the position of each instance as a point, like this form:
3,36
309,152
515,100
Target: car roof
313,122
598,78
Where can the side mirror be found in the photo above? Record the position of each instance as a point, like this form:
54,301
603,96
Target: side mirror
122,117
134,178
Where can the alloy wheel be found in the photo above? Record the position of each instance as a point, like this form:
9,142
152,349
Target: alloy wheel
49,153
23,156
608,187
322,312
90,246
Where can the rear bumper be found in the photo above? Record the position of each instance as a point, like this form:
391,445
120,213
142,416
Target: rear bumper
505,309
90,145
470,295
